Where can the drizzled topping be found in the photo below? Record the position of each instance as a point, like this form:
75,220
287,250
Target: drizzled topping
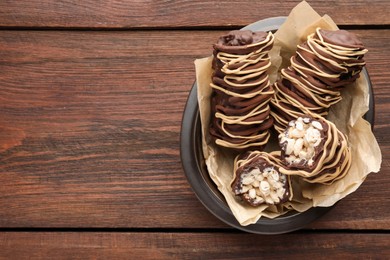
241,90
258,180
313,147
326,62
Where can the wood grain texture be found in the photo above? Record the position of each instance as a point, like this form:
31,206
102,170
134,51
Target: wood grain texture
183,13
92,122
192,246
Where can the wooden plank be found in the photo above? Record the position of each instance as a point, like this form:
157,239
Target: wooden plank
192,246
90,125
183,13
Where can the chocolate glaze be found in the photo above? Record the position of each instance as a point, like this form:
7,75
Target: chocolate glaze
236,42
341,38
294,91
240,116
309,81
338,164
323,65
255,160
309,59
331,159
346,60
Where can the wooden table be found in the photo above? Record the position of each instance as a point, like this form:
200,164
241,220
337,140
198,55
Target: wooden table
91,101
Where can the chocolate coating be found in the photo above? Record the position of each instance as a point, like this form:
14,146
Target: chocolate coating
323,65
324,159
238,42
258,180
240,112
341,38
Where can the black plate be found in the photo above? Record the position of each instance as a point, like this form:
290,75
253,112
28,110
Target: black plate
205,189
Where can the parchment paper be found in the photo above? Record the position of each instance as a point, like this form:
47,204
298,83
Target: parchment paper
347,115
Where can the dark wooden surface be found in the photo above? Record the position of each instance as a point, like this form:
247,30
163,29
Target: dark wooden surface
183,13
90,123
185,245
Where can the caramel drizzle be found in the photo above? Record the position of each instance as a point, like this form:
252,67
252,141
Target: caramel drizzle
232,77
320,98
332,165
334,162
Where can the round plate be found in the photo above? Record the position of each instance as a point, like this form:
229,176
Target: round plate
197,175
